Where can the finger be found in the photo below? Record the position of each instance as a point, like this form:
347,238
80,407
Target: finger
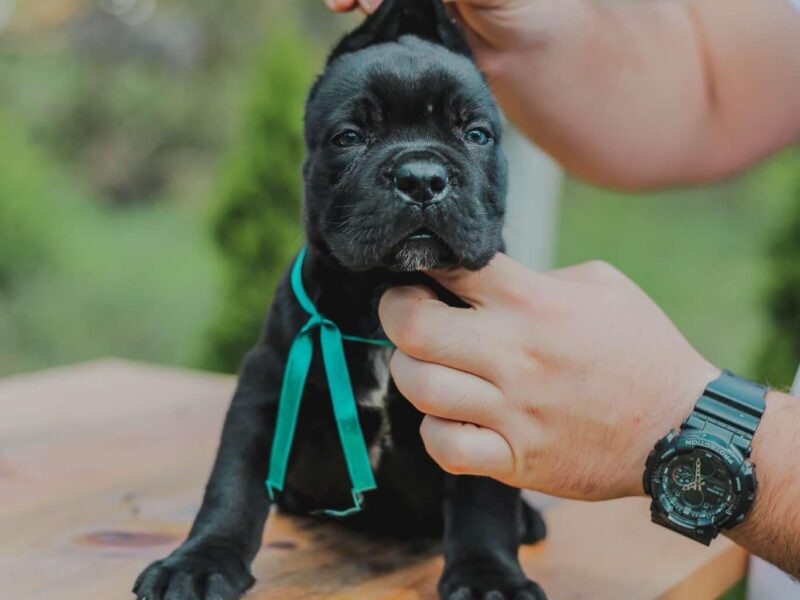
496,280
476,24
478,45
481,3
369,6
341,5
463,448
429,330
447,393
593,271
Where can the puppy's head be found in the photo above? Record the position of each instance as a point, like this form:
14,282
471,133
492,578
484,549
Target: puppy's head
404,168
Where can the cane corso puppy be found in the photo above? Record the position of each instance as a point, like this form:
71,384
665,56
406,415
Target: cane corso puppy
404,172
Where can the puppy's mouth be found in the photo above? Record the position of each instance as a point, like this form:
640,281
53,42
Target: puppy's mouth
420,250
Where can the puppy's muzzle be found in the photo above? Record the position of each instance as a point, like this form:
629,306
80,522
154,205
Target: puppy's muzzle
422,182
421,178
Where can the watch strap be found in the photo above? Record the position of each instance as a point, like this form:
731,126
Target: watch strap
730,409
703,535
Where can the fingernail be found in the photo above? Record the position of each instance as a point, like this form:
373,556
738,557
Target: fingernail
369,5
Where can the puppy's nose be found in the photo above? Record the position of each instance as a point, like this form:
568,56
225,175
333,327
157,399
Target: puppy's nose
422,181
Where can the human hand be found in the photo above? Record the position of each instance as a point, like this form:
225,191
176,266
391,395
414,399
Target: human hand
560,382
490,25
367,6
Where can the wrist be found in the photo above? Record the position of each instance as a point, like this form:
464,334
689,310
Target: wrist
675,400
773,426
770,529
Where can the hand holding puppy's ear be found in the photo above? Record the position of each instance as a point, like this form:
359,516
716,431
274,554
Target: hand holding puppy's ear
389,20
368,6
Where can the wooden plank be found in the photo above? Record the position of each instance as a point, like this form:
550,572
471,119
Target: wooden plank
69,431
102,468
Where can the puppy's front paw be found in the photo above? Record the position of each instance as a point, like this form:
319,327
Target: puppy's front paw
481,581
203,573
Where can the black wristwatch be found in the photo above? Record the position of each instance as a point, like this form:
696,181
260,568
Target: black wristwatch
700,477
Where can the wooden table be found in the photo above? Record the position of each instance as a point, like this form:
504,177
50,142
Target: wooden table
102,467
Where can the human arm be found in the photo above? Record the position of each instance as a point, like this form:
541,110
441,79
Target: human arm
642,94
773,527
563,382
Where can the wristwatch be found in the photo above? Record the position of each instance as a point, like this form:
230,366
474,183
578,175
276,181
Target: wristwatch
700,477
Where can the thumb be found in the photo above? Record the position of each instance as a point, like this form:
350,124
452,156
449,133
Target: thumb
480,3
477,288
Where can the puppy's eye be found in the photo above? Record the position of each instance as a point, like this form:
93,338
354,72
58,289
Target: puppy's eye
348,138
478,136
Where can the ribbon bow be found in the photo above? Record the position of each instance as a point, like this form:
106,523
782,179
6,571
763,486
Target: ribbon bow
344,404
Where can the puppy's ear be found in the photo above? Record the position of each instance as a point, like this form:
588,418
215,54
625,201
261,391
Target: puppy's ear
427,19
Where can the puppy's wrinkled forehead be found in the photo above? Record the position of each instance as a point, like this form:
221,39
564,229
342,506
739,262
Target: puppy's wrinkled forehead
407,82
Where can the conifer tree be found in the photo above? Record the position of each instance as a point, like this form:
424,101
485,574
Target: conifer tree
257,222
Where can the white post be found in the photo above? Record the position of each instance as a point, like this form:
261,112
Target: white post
534,186
532,219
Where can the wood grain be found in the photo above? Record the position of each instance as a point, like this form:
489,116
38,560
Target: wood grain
102,467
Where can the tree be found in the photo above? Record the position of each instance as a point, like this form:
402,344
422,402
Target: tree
26,206
257,221
781,354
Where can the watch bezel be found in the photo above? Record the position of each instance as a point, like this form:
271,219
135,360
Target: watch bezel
740,469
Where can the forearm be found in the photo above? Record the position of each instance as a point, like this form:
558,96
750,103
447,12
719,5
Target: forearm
643,94
772,529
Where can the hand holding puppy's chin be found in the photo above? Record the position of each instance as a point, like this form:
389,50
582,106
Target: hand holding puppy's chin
538,358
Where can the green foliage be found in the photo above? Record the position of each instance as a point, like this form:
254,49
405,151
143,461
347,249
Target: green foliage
25,206
781,352
258,217
79,282
737,592
82,282
696,252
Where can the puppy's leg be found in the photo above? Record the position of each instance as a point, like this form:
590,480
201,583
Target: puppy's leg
214,561
481,540
532,526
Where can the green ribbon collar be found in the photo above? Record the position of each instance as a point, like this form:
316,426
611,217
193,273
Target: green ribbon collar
298,364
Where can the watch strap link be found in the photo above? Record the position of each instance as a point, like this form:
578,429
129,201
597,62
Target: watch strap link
729,409
704,535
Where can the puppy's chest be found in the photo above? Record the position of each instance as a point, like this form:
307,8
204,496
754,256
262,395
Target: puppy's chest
373,396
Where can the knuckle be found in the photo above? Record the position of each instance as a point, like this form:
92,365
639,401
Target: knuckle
518,295
419,389
454,460
412,332
446,450
459,459
602,269
426,386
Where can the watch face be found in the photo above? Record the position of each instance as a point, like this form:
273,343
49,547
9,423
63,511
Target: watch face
696,486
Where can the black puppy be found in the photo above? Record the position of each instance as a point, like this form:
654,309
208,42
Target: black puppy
403,172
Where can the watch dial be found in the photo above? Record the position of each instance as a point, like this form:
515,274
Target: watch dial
696,486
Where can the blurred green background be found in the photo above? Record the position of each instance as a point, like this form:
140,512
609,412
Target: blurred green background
149,189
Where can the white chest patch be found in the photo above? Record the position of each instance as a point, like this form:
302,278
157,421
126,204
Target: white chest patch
376,399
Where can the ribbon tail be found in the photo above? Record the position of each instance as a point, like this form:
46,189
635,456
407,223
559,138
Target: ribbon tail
371,341
344,408
294,381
